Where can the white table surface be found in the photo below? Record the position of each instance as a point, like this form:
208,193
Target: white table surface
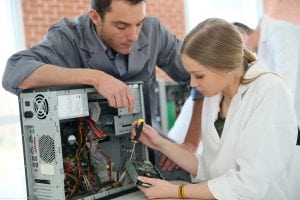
132,196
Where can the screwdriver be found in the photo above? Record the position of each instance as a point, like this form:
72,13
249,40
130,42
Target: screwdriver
138,131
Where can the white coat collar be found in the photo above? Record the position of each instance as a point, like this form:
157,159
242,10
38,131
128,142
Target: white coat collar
255,69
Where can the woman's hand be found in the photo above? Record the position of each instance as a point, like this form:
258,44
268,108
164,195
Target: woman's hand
148,137
167,164
158,189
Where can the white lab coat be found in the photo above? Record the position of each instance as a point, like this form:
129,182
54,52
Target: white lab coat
252,158
279,47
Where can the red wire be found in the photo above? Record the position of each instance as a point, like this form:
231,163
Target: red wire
95,129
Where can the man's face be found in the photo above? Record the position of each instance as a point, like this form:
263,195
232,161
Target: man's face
121,26
251,42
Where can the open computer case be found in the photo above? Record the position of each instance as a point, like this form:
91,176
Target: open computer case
75,145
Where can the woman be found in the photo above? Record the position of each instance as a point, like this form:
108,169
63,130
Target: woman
248,123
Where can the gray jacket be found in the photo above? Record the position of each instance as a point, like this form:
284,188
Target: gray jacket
74,43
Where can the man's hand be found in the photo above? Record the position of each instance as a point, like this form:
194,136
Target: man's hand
192,137
168,165
115,91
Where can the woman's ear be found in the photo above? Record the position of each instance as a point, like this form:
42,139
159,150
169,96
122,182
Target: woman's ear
95,17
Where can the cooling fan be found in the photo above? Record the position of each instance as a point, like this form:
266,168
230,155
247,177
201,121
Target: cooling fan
41,108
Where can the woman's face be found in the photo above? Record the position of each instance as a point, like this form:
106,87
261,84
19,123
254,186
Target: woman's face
206,80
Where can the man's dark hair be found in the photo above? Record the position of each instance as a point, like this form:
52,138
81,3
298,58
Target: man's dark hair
102,6
244,29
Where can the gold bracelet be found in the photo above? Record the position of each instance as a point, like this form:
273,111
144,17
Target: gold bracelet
180,191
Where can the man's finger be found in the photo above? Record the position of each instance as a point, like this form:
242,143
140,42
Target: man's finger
118,100
111,101
162,160
171,166
167,163
131,101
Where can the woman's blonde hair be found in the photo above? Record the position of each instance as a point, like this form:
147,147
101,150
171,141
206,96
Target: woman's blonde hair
217,44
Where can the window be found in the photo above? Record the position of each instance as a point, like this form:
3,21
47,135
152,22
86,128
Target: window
11,154
247,12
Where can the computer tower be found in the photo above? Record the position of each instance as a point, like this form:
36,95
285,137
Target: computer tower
75,145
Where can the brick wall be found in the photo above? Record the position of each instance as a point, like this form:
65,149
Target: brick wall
170,13
283,9
39,14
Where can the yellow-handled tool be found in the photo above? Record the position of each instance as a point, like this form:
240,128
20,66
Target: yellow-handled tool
138,130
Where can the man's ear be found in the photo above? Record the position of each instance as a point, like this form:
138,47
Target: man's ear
95,17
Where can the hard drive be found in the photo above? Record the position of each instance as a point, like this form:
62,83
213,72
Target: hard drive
142,168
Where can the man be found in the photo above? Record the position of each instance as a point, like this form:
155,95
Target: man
115,42
277,42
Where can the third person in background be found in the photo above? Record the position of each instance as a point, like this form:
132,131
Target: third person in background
277,43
